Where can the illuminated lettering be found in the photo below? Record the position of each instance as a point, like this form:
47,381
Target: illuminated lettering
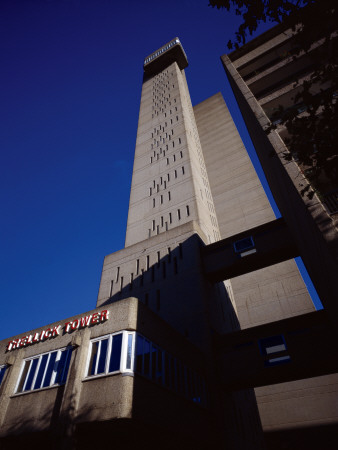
56,331
104,315
75,324
85,321
67,326
23,341
82,322
95,318
36,337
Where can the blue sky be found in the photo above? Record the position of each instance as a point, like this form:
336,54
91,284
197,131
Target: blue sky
71,83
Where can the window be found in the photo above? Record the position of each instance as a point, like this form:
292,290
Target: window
48,369
245,246
161,367
105,354
274,350
2,373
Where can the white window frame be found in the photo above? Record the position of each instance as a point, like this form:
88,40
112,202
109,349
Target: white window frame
39,357
124,354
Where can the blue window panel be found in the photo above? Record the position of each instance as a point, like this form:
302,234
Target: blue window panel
42,367
93,358
115,356
63,366
146,356
2,373
31,374
103,355
244,244
50,369
139,354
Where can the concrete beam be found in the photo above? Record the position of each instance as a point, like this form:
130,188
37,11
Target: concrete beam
251,250
252,357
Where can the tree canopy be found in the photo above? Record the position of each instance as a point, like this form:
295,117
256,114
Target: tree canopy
313,135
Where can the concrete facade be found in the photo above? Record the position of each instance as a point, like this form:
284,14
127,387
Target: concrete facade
299,413
177,355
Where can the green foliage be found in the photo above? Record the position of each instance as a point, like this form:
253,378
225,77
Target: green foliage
314,133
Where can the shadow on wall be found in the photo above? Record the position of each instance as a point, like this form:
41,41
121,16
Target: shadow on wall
174,283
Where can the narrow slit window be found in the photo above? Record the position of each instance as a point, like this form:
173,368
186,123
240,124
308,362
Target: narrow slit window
169,195
188,210
170,218
179,214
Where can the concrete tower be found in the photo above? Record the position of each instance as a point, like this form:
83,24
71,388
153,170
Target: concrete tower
171,211
170,184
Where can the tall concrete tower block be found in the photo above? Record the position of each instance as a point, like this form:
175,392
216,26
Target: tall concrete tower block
171,212
170,184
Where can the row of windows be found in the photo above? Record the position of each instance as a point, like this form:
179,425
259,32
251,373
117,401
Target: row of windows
156,187
118,283
120,352
162,368
156,227
129,351
158,143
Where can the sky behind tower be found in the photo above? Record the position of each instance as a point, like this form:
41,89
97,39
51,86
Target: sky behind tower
71,83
